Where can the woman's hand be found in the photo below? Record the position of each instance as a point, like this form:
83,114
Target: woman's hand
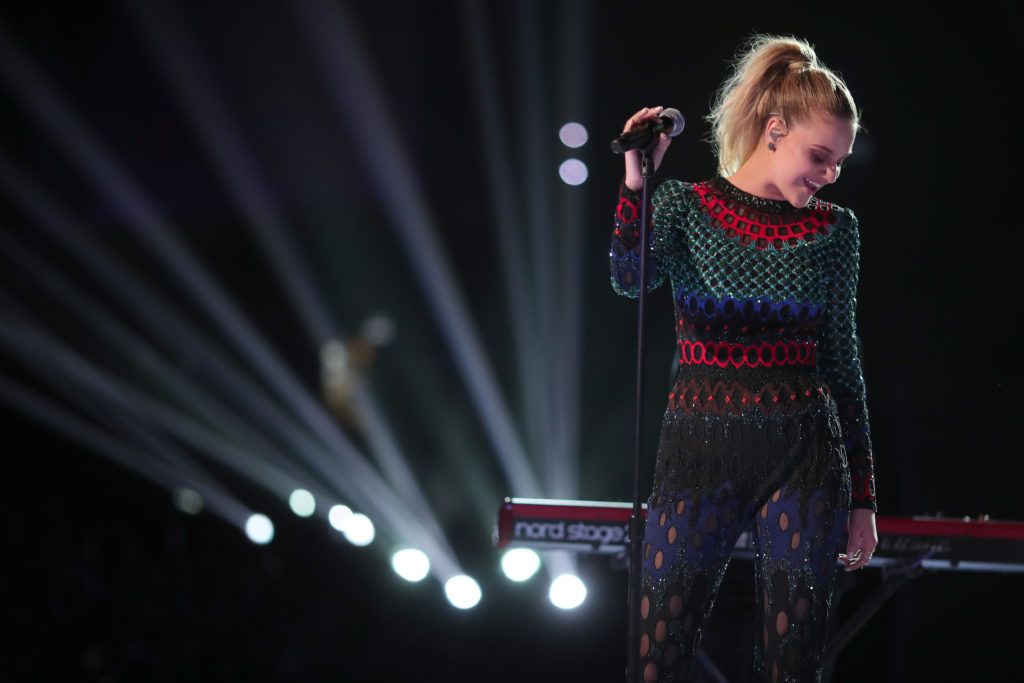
863,539
634,179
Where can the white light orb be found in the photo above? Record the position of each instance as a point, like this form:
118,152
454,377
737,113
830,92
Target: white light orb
259,529
411,564
462,591
378,330
187,500
359,530
520,564
333,356
567,592
573,134
302,502
573,172
338,516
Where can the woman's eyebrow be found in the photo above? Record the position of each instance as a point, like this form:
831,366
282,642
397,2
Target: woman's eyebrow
831,152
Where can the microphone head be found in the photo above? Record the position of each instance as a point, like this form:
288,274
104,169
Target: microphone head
678,121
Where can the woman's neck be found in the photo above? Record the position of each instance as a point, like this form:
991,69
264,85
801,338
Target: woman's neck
754,181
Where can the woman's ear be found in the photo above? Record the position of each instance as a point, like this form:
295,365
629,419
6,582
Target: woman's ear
774,129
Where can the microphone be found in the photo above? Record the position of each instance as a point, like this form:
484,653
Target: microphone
670,122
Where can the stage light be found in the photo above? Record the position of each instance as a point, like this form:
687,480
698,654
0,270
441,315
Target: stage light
259,529
359,530
333,357
411,564
573,134
567,592
378,329
520,564
187,500
339,516
573,172
302,502
340,52
462,591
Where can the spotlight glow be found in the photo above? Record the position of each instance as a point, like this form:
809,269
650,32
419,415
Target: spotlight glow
573,172
187,500
411,564
378,330
333,356
462,591
359,530
520,564
339,516
567,592
302,502
573,134
259,529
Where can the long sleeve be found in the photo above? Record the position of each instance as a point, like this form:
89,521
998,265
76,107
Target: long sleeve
624,255
840,361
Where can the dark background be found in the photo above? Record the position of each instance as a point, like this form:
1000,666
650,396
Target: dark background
103,579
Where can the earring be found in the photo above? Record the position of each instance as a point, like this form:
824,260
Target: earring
771,146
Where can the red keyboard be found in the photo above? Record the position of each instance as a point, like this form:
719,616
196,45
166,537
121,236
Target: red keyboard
965,544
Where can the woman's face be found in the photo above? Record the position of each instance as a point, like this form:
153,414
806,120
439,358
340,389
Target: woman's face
809,156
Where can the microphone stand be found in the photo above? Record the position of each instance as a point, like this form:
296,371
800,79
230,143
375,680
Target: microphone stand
636,522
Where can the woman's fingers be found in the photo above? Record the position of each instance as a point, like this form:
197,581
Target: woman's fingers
856,560
632,157
645,114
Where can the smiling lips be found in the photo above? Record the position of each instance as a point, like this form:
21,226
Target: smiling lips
814,187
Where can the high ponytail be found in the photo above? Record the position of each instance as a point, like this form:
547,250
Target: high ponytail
773,75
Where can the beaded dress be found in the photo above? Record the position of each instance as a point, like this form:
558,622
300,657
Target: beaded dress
767,421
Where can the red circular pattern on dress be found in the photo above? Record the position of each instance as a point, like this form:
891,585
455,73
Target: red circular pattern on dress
626,205
739,355
697,396
758,225
864,490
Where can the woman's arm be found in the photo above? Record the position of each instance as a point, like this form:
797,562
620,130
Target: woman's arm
624,255
840,360
664,240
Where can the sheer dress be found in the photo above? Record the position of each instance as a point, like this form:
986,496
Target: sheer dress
767,422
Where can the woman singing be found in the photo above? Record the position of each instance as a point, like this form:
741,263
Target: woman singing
767,422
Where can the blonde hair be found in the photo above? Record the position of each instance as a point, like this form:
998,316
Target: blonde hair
772,75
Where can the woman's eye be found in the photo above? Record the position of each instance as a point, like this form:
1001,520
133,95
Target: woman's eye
817,159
